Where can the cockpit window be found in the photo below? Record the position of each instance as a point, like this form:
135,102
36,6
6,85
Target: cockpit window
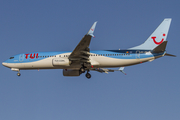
11,57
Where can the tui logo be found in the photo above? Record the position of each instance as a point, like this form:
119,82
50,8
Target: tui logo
158,43
32,56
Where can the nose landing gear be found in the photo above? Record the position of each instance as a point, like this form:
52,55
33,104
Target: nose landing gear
17,70
18,74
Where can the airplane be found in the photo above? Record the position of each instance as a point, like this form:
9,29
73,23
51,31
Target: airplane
82,60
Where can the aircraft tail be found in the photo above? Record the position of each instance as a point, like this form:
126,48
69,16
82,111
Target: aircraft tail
157,37
161,48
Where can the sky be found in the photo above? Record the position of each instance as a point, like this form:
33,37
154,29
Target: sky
149,91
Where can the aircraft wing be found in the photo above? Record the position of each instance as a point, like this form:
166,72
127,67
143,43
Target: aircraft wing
103,70
81,52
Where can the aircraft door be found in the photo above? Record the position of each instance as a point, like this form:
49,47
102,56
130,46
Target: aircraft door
21,57
137,54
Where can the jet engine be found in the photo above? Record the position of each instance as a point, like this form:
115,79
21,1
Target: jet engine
61,62
67,72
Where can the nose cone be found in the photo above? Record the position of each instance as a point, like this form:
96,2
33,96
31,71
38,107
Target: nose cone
4,64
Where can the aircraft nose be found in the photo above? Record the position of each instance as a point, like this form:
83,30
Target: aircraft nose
4,64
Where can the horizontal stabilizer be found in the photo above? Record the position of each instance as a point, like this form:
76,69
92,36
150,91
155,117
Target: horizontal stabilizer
160,48
170,55
121,69
103,70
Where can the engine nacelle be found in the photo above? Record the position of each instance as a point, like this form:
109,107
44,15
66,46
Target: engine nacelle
71,72
61,62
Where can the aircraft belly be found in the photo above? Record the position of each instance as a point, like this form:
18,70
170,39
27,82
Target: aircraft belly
114,62
15,65
41,64
47,64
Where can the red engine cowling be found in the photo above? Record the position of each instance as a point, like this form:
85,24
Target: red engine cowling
71,72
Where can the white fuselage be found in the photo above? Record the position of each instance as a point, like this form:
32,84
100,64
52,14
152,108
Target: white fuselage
97,60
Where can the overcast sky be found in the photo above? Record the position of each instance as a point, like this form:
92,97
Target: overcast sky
150,91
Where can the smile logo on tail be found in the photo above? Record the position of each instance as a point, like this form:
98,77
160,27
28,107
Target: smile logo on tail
158,43
92,29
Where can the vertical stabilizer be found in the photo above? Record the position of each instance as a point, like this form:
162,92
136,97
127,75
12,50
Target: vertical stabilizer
157,37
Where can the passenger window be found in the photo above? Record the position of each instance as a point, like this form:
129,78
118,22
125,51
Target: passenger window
11,58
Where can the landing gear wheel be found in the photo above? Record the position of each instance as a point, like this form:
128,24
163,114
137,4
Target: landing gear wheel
18,74
82,70
88,75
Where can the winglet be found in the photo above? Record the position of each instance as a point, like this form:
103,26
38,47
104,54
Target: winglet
121,69
91,31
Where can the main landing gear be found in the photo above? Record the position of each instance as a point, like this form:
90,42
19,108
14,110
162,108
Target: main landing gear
88,75
82,70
